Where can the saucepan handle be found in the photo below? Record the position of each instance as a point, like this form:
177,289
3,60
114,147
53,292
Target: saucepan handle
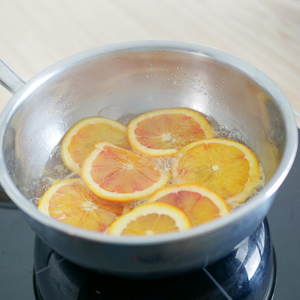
12,82
9,79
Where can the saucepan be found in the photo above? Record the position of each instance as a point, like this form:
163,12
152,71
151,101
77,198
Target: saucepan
127,79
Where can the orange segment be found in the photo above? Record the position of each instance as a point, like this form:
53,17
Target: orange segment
121,175
150,219
80,139
198,202
164,132
70,201
229,168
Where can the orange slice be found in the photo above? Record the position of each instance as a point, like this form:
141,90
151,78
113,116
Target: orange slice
120,175
70,201
164,132
229,168
80,139
150,219
198,202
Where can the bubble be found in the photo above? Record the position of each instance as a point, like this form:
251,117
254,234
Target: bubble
127,118
56,152
113,112
236,135
163,163
34,201
137,203
220,131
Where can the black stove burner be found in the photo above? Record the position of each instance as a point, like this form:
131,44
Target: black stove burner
249,272
5,201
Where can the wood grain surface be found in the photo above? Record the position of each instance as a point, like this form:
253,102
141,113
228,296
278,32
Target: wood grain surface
37,33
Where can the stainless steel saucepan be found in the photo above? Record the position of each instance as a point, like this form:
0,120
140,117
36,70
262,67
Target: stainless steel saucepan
132,78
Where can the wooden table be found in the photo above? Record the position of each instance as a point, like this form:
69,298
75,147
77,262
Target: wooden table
37,33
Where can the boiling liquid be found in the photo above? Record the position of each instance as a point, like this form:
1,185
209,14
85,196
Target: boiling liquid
55,170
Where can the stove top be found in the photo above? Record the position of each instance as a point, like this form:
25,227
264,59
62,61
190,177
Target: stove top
265,265
249,272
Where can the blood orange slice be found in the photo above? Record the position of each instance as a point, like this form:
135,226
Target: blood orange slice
227,167
81,137
120,175
198,202
164,132
70,201
150,219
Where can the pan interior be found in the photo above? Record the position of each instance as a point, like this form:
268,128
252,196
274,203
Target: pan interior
124,84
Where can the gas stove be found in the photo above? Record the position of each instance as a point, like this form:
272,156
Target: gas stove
266,265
